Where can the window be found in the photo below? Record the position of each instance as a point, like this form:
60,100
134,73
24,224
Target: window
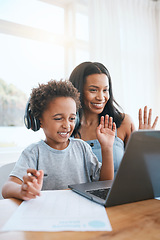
39,41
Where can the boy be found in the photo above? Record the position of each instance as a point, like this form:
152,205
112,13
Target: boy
59,160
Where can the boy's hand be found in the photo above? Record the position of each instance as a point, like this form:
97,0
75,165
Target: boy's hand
146,123
32,184
106,131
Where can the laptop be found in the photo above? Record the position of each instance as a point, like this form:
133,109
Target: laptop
138,176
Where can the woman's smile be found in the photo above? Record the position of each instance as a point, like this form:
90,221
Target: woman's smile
98,105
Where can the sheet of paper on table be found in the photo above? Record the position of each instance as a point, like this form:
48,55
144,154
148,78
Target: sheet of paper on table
60,210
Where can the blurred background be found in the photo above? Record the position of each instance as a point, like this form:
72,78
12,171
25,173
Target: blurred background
45,39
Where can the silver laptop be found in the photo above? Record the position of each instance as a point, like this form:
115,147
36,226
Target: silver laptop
138,176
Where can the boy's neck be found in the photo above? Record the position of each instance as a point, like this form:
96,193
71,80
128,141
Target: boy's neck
57,146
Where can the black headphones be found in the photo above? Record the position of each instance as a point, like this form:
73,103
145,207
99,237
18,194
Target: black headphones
31,122
77,121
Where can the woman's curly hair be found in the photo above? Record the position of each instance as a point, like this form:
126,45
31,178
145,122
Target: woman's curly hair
45,93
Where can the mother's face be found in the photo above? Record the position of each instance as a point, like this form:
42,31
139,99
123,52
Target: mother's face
96,92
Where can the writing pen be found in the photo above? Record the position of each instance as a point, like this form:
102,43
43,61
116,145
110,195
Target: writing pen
31,174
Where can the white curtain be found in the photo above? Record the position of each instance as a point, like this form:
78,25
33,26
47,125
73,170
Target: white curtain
125,37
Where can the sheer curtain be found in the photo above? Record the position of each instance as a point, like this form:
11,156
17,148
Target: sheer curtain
125,37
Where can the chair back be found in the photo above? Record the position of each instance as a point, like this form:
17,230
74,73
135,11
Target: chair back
4,174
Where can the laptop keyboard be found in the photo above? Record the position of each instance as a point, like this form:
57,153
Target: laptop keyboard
101,193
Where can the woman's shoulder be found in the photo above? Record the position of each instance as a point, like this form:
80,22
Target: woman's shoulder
127,120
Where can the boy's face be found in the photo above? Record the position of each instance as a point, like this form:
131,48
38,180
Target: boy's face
58,122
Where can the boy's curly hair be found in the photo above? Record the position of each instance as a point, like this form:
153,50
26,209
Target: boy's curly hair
44,93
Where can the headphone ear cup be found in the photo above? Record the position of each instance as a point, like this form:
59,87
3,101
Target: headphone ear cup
33,124
36,124
29,120
77,121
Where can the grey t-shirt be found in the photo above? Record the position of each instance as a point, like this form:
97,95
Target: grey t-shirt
75,164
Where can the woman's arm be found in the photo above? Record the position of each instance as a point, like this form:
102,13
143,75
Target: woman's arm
105,135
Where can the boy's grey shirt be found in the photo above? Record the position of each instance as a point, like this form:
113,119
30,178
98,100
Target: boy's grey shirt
75,164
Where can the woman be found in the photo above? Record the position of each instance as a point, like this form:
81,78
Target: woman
93,81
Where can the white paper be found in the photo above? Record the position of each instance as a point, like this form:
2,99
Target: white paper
61,210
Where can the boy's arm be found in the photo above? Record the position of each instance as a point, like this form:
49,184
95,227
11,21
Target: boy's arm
27,189
106,135
12,188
